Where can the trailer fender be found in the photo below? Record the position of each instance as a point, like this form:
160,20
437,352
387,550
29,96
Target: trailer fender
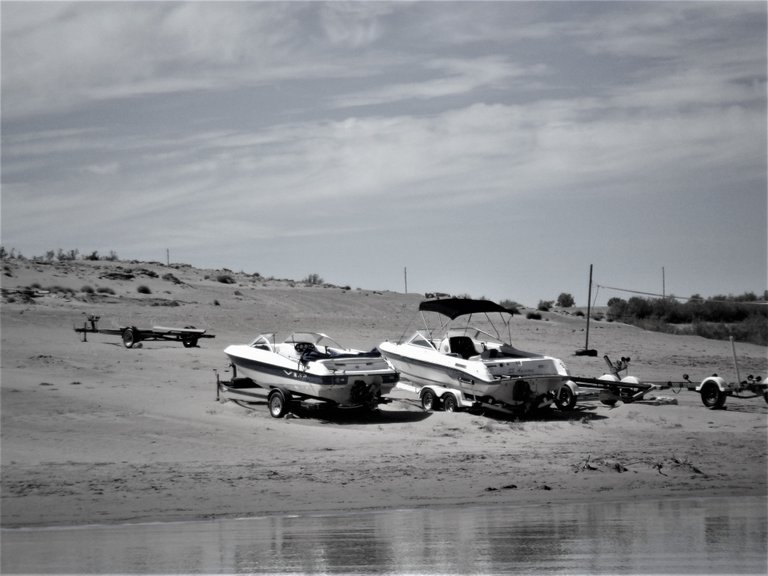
630,380
714,391
719,382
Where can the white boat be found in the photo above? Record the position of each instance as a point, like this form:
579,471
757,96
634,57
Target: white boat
468,366
307,366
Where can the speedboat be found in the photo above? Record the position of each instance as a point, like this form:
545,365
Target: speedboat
307,366
465,365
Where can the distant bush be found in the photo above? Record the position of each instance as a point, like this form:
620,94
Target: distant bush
171,278
64,290
225,279
565,300
143,289
511,305
104,290
87,289
743,317
545,305
533,316
313,280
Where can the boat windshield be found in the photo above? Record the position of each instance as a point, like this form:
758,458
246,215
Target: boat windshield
421,339
475,334
488,326
316,338
264,341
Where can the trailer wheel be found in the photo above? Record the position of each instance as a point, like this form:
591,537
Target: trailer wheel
189,342
129,337
711,395
765,396
565,399
449,403
428,400
278,403
609,396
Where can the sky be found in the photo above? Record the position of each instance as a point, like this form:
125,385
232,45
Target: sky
491,149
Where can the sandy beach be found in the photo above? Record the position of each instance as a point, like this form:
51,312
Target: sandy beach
93,432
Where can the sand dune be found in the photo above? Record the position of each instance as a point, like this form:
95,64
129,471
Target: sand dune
95,432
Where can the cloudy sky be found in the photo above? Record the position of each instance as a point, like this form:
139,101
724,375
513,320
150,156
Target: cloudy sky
491,149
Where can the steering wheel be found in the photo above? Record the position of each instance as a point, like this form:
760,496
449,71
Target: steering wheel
302,347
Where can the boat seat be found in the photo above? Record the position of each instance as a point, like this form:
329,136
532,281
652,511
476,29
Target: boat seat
463,346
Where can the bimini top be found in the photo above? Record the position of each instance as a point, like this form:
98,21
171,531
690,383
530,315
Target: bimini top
455,307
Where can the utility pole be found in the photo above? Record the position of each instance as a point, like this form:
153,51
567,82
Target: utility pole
405,278
663,284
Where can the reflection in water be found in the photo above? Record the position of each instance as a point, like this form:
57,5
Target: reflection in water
694,536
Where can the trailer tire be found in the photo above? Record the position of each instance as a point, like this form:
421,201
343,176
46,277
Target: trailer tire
428,400
565,399
711,395
277,403
765,396
609,397
129,337
449,403
189,342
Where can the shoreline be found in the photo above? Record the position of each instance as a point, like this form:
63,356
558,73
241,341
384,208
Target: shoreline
319,513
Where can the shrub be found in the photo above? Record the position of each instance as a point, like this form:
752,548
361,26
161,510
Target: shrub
313,280
104,290
66,291
225,279
565,300
533,316
143,289
545,305
720,317
87,289
511,305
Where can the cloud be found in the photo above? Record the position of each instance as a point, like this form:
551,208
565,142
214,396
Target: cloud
56,58
220,125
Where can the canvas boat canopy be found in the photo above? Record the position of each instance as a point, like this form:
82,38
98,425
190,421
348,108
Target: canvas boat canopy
455,307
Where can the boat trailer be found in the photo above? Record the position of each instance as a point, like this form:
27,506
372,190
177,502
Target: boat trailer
714,390
248,394
131,335
612,387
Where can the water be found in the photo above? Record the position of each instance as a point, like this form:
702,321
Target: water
691,536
